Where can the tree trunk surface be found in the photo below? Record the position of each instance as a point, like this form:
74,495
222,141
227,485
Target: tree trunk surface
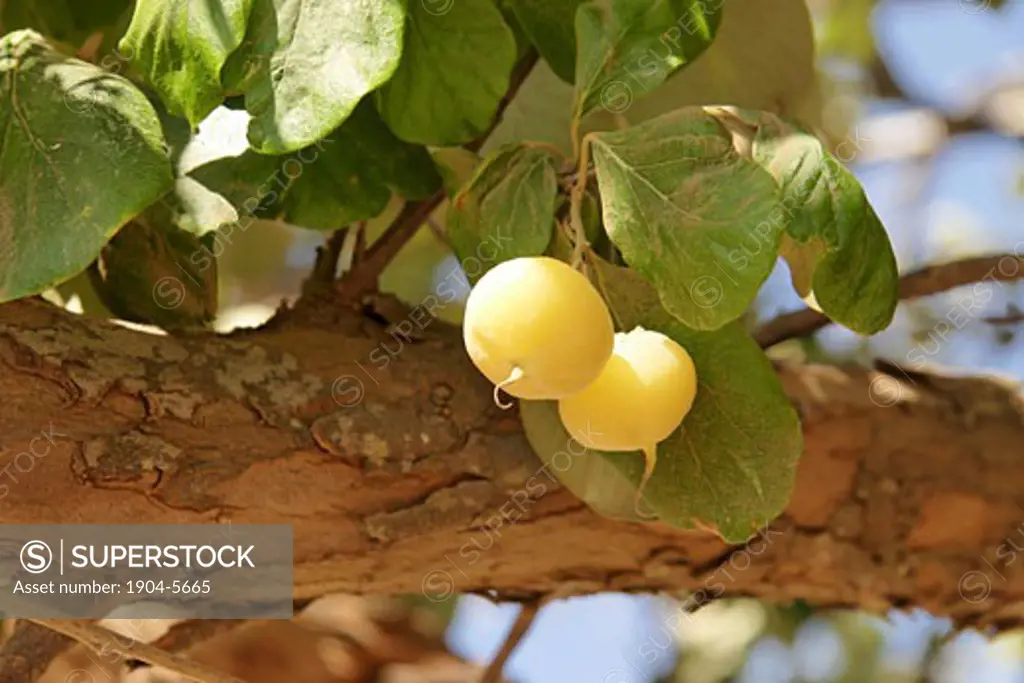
400,476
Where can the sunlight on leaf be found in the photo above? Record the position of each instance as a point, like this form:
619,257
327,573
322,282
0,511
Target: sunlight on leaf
82,154
454,71
690,212
180,47
301,81
507,210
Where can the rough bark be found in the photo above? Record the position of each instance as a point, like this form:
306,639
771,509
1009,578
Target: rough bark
396,478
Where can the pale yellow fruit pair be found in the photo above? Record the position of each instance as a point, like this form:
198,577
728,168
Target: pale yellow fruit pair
539,330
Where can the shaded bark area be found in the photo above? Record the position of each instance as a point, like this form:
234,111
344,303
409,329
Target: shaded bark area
398,474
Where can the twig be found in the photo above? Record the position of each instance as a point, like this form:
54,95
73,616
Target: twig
924,282
30,651
523,622
104,641
326,265
1013,316
439,232
363,277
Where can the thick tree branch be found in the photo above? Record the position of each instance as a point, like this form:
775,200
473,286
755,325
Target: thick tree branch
924,282
104,641
399,475
30,651
185,634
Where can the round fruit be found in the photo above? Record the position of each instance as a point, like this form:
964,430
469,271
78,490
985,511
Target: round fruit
641,397
537,328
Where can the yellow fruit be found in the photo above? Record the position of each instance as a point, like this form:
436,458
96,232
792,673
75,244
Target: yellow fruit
641,397
537,328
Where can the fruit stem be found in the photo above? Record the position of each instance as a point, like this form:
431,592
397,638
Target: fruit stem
579,189
514,376
650,459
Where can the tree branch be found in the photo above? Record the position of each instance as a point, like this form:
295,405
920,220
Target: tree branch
29,652
398,475
524,620
326,267
924,282
363,277
186,634
103,641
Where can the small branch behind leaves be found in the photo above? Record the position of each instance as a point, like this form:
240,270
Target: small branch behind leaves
523,622
363,276
924,282
326,265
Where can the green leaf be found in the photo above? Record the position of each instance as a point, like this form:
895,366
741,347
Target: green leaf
195,209
689,211
308,63
633,46
161,268
549,25
352,176
89,302
523,44
592,476
348,176
835,244
732,463
180,48
82,153
253,183
507,209
540,112
455,69
67,21
762,58
176,131
456,166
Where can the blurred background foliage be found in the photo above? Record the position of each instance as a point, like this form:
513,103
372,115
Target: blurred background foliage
924,99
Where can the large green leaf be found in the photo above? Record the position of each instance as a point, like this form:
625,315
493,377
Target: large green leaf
161,269
455,69
348,176
306,64
352,177
181,46
629,47
762,58
593,476
550,27
836,246
691,212
507,209
732,463
82,153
